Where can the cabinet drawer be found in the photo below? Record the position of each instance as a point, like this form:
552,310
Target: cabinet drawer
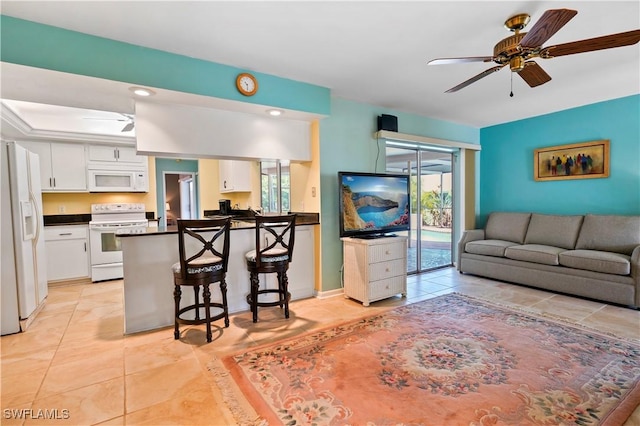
386,288
382,270
384,252
65,232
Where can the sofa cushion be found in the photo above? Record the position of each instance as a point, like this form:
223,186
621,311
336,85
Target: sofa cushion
620,234
553,230
488,247
535,253
598,261
507,226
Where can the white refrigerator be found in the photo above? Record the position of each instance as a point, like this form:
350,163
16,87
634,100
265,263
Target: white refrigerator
24,264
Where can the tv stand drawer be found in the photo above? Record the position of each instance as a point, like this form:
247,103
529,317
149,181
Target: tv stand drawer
385,252
392,268
386,288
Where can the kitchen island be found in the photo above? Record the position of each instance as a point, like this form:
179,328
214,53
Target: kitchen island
148,280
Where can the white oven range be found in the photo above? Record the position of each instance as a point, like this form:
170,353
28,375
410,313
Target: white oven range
107,222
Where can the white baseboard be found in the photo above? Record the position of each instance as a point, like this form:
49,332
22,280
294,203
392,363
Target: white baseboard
329,293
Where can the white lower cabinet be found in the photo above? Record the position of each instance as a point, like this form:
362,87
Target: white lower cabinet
375,269
67,249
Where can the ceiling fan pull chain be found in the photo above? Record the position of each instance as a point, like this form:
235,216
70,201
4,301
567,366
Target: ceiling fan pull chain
511,94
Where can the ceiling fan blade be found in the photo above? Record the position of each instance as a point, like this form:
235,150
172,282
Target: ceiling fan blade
475,78
128,127
589,45
447,61
549,24
533,74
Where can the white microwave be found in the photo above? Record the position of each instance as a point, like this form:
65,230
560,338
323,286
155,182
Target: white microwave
121,180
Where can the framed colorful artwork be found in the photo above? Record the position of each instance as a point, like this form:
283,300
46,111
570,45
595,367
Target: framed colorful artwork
585,160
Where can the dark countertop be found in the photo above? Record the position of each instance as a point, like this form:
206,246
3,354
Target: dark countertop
240,223
66,219
76,219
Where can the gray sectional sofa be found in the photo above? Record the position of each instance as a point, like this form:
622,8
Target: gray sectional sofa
594,256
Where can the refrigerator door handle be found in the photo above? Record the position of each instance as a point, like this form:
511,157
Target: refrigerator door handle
37,215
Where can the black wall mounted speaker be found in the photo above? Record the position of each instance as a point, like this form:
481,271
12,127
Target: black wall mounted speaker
388,122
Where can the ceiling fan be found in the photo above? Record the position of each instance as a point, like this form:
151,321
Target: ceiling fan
126,117
518,50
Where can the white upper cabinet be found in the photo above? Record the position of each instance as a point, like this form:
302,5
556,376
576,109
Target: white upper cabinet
62,165
112,154
235,176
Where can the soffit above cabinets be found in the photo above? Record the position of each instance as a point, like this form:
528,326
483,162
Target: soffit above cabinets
29,120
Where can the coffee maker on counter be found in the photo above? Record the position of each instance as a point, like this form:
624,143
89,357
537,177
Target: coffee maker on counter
225,207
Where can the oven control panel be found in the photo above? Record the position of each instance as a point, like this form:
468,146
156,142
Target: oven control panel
117,207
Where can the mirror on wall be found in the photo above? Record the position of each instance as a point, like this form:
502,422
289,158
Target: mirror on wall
275,186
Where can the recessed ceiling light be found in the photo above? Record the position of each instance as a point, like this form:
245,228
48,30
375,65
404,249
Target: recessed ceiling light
274,112
141,91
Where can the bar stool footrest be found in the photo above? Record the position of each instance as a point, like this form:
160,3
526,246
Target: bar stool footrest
194,307
278,302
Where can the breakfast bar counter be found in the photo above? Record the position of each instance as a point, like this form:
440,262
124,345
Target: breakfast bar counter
148,280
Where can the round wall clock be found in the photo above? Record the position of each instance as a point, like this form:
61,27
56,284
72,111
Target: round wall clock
247,84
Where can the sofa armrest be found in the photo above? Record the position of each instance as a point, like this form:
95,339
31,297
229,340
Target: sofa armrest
468,235
635,272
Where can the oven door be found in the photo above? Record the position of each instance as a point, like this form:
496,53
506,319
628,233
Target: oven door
106,251
105,243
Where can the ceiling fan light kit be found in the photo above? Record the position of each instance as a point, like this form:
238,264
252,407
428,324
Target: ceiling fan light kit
518,50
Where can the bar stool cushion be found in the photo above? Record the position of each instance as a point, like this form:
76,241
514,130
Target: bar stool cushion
273,255
200,265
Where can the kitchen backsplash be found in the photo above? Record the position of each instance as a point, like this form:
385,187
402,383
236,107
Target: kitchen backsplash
80,203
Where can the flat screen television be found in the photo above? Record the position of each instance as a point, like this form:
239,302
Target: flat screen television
373,204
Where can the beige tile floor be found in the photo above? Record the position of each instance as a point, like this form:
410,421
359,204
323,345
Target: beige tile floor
75,359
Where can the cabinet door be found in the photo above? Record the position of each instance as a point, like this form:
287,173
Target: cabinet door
69,167
127,154
43,149
67,252
235,176
102,153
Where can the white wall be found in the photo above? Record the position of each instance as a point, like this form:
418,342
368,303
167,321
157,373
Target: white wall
195,132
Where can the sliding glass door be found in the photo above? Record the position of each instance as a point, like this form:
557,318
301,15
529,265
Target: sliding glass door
430,237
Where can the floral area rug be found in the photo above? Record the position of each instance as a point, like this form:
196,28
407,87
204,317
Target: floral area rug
451,360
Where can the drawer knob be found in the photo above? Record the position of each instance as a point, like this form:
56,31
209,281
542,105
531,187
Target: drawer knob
387,252
387,270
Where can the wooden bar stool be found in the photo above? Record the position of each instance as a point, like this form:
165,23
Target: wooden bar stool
204,254
275,236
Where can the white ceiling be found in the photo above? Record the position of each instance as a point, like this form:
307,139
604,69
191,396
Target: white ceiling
374,52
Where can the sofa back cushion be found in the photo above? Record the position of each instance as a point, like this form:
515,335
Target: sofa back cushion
507,226
618,234
552,230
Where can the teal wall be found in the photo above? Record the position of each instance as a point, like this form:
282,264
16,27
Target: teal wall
506,162
43,46
347,144
171,165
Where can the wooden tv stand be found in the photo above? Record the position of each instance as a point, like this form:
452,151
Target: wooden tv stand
375,269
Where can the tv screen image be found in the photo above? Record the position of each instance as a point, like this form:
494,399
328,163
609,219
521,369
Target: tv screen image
373,204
